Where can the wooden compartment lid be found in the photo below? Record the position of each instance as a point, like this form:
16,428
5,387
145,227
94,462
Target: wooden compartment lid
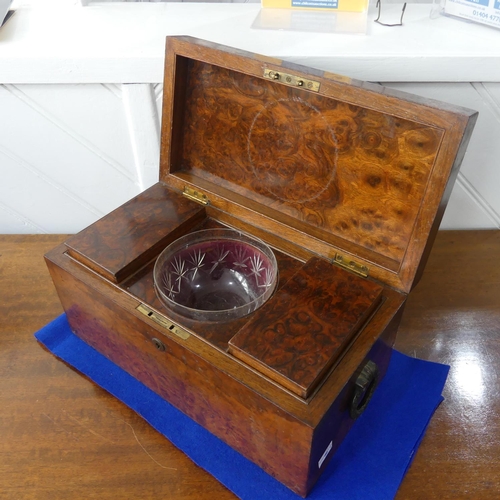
303,331
336,165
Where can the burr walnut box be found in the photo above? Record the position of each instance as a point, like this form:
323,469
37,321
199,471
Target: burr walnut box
343,182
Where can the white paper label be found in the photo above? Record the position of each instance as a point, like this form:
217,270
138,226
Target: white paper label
325,454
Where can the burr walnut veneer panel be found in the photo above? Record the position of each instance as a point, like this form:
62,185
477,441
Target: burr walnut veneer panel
335,166
340,166
126,239
306,327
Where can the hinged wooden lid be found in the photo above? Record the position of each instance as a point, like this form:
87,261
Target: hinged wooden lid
353,171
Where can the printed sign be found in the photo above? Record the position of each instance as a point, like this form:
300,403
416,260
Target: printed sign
481,11
317,4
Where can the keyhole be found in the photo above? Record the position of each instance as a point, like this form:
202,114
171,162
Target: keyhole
159,344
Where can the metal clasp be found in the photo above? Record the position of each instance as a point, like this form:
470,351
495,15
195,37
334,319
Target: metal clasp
293,80
351,265
162,321
194,195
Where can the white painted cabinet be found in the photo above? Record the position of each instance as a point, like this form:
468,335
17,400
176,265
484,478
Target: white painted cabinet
80,110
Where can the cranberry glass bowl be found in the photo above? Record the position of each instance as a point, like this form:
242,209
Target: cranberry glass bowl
215,275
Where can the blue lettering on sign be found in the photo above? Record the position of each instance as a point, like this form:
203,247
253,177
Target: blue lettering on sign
318,4
497,4
479,2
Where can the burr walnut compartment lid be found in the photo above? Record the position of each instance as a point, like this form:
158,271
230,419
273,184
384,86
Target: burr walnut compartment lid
306,327
349,170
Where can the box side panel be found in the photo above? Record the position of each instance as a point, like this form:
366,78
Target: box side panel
337,421
249,423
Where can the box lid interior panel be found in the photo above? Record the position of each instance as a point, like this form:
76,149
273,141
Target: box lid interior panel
338,161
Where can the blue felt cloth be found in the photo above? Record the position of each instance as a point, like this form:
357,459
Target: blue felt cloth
370,463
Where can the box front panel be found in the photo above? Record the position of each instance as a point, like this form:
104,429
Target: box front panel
273,439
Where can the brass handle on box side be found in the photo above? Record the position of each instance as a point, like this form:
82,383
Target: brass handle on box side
364,387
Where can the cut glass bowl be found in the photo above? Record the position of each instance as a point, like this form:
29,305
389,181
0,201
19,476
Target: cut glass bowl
215,275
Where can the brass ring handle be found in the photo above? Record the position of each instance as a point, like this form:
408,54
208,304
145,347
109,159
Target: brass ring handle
364,387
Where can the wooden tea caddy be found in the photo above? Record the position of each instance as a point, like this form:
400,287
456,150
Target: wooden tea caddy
346,181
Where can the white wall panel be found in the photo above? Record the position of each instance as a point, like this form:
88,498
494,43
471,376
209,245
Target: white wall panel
93,114
39,204
475,201
11,222
466,211
144,129
158,95
67,154
71,153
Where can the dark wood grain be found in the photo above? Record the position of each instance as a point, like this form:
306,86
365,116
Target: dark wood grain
300,333
129,237
364,169
453,317
348,170
65,438
192,381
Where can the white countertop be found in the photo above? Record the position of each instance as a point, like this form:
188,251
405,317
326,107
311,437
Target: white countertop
124,43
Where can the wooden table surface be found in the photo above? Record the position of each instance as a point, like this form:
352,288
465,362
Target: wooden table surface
61,436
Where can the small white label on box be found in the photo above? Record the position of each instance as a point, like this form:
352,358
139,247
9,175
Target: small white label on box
325,454
481,11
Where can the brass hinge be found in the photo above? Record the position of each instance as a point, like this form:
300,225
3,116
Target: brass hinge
194,195
295,81
162,321
351,265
